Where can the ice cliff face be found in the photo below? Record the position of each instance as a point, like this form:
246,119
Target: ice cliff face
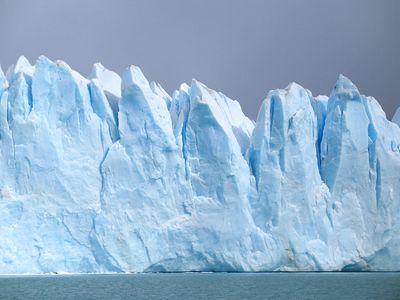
114,175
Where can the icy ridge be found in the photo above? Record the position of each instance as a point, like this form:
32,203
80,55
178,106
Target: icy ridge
111,174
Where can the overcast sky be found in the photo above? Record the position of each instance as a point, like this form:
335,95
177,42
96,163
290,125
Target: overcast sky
241,48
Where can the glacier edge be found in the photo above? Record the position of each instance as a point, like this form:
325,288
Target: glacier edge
110,174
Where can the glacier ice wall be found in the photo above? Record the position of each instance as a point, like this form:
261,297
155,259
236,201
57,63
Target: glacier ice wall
111,174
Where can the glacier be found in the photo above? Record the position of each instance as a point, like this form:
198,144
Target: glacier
112,174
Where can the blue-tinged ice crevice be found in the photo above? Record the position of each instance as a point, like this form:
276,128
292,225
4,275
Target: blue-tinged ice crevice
320,105
110,83
102,108
179,111
112,174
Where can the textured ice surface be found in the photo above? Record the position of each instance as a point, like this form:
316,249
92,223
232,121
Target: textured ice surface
111,174
396,117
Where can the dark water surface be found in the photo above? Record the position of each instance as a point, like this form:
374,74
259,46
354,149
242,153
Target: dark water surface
204,286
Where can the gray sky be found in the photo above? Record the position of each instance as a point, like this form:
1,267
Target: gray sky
241,48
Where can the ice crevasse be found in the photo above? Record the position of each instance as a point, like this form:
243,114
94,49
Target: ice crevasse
111,174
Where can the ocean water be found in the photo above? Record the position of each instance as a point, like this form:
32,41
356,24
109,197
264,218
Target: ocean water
204,286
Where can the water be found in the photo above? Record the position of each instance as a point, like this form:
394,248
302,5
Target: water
204,286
